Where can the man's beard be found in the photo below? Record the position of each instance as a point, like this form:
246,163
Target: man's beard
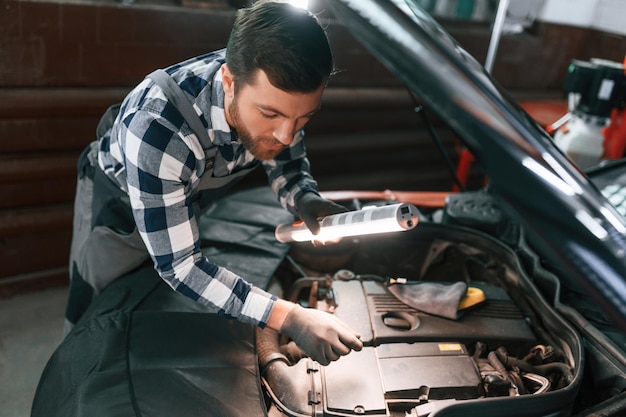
257,146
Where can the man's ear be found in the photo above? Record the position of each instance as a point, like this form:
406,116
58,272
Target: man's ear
228,81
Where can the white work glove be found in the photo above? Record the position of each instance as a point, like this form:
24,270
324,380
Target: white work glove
322,336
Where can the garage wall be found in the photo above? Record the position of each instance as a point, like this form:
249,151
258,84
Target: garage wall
62,64
603,15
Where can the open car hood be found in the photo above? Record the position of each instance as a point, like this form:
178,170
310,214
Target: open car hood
563,214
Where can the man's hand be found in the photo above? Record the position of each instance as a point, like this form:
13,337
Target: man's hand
311,207
322,336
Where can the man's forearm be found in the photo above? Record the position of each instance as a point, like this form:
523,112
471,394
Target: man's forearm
280,311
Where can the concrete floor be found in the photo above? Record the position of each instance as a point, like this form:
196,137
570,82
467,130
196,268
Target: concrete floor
30,331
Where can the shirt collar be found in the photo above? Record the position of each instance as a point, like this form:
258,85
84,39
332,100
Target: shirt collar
222,131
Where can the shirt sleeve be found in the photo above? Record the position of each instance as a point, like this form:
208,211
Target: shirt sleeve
289,174
161,172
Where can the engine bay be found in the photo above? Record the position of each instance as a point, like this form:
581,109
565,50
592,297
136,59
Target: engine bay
508,345
514,352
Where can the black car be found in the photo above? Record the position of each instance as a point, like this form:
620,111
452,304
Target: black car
539,252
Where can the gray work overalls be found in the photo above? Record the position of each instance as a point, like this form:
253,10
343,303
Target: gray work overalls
106,243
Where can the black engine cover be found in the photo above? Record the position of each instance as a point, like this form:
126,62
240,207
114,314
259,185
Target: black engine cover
409,357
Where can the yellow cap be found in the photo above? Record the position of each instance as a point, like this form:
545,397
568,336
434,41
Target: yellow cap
474,296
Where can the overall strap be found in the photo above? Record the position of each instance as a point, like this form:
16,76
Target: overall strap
177,96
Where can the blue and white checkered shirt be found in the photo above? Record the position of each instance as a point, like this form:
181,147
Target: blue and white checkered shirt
154,156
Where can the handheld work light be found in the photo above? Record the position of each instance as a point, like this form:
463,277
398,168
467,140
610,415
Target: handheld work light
390,218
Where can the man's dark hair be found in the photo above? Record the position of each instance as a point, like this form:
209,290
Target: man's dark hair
286,42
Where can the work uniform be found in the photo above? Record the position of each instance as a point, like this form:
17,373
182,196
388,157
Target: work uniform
144,182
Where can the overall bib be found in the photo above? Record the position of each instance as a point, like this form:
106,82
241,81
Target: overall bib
106,243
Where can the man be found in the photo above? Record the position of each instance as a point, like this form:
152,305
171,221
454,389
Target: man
143,183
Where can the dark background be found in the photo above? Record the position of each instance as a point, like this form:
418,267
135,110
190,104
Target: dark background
63,64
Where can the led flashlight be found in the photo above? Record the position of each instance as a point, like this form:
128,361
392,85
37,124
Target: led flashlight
391,218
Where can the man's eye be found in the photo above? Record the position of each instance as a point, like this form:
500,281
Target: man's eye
268,115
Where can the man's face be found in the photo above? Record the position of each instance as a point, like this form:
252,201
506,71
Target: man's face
266,118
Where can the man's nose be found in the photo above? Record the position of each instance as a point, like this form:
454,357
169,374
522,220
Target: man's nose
285,131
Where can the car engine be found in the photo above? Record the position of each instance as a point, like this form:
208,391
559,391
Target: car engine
508,345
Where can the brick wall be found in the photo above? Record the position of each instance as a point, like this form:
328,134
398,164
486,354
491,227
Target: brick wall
62,64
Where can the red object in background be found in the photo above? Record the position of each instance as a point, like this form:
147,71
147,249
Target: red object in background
462,169
615,135
544,112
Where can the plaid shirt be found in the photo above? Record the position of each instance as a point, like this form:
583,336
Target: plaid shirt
154,156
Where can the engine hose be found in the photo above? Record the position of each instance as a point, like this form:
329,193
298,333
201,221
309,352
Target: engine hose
302,283
287,392
538,354
517,380
543,370
497,364
268,348
479,350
